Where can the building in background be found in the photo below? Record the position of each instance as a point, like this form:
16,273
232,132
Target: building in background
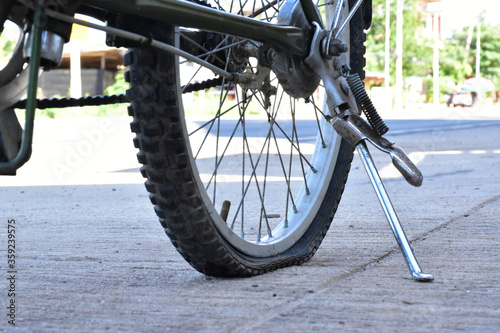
98,71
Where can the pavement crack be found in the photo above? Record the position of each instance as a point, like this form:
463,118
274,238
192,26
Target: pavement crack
287,307
453,173
414,240
467,214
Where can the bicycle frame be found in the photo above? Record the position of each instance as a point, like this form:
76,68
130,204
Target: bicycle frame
176,12
186,14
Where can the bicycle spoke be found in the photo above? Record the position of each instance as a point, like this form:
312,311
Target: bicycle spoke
285,175
207,52
263,207
223,154
317,109
296,148
294,130
265,12
227,145
246,147
221,100
288,138
262,212
219,7
242,6
338,12
242,115
217,116
217,138
192,78
348,18
257,172
218,49
252,175
289,195
320,131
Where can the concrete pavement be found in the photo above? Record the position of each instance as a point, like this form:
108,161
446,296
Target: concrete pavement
94,258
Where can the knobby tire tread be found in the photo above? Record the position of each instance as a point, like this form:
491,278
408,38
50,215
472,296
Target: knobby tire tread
173,192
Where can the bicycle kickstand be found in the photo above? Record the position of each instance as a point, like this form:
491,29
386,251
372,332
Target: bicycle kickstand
357,132
391,215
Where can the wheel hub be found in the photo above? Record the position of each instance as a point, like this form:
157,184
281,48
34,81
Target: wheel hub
295,76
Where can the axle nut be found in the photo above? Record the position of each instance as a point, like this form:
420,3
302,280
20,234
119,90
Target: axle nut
337,47
271,55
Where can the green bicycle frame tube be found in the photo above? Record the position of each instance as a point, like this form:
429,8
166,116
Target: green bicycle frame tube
186,14
10,167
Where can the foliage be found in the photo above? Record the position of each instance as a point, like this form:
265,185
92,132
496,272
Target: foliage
455,64
490,49
417,55
117,88
7,49
452,63
7,46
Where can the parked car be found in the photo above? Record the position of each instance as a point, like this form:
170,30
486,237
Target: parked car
461,98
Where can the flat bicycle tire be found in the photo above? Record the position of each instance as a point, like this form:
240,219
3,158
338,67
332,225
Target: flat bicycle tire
173,178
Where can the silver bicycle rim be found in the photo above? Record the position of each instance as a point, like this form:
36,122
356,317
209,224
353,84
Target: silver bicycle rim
275,179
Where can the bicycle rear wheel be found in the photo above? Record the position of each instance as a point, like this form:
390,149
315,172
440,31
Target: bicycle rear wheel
244,179
13,83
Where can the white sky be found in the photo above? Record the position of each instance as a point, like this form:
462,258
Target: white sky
460,13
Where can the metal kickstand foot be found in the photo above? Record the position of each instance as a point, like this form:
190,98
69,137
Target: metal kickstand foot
391,215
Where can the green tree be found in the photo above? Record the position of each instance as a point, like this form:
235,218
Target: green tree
490,52
453,67
417,54
457,65
6,48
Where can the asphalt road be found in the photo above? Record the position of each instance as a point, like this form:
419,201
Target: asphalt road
308,127
92,257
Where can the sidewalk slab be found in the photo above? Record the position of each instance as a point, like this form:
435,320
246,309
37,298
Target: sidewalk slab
94,258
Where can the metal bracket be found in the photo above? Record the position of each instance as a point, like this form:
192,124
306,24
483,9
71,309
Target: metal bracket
355,129
257,80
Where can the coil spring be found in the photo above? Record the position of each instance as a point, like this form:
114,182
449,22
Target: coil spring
365,103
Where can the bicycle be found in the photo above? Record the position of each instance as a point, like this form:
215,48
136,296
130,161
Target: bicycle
233,202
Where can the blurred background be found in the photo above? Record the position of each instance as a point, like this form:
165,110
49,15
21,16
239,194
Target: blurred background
425,52
428,63
419,52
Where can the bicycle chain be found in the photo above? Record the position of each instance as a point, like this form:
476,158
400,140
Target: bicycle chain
202,85
208,83
59,103
74,102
